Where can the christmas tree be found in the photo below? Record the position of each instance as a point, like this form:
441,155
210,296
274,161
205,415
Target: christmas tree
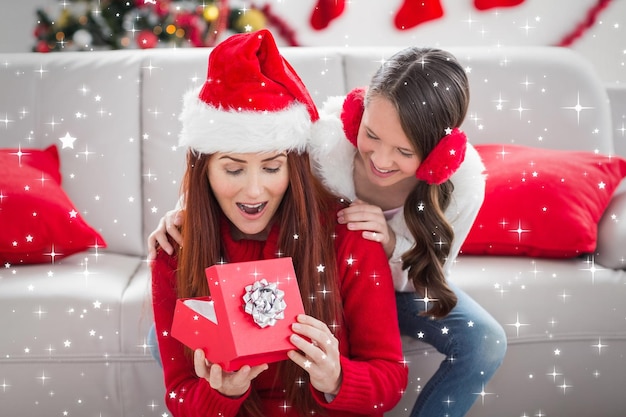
87,25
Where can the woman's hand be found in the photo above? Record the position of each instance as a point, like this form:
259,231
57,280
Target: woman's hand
169,224
370,219
320,355
229,384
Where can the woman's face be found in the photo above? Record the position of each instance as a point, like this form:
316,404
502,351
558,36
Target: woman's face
249,187
386,151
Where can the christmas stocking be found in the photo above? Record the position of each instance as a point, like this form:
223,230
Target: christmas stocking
414,12
490,4
326,11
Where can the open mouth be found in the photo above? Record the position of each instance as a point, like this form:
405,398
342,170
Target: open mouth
251,208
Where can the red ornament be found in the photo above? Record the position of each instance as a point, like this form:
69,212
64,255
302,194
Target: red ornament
161,7
146,39
41,30
412,13
42,46
142,3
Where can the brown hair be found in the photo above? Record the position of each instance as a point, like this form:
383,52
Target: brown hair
303,211
430,92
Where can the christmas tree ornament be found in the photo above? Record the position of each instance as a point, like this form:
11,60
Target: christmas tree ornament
65,18
211,13
326,11
146,39
82,38
42,46
412,13
250,20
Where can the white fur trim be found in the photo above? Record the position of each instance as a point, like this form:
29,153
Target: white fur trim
208,129
331,152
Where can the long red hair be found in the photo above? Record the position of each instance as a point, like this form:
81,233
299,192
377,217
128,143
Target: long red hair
307,210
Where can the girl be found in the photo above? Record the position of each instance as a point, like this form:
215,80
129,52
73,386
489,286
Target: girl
417,186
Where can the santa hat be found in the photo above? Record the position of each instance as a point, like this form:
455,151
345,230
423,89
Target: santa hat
251,101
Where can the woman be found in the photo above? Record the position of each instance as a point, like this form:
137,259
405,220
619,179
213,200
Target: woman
250,195
416,186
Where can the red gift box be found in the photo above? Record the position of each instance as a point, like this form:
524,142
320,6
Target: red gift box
247,320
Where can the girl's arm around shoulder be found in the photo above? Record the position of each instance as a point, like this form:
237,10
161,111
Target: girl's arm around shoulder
374,373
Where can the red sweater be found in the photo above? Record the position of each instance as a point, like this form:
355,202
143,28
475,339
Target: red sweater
374,374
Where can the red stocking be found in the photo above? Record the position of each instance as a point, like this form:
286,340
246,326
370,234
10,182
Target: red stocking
325,11
414,12
490,4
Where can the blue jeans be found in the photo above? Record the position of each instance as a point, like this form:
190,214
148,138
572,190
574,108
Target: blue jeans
474,345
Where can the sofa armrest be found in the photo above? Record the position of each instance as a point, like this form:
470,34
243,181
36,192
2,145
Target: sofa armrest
610,251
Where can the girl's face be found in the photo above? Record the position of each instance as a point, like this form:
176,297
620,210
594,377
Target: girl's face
385,149
249,187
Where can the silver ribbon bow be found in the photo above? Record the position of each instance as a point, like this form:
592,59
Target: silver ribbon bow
265,303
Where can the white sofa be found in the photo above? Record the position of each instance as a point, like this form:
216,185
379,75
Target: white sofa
73,332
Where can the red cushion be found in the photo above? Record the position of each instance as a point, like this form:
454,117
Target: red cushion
37,217
541,202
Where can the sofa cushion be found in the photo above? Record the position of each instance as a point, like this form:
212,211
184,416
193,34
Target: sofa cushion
40,223
542,202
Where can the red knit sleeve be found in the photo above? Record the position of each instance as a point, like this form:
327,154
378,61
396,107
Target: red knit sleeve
186,394
374,373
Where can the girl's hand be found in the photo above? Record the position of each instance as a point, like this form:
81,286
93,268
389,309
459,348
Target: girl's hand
229,384
371,219
169,224
320,356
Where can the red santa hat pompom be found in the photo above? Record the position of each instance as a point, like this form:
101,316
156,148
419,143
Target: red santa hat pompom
251,101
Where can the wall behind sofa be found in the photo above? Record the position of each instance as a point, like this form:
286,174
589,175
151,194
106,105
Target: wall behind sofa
370,22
